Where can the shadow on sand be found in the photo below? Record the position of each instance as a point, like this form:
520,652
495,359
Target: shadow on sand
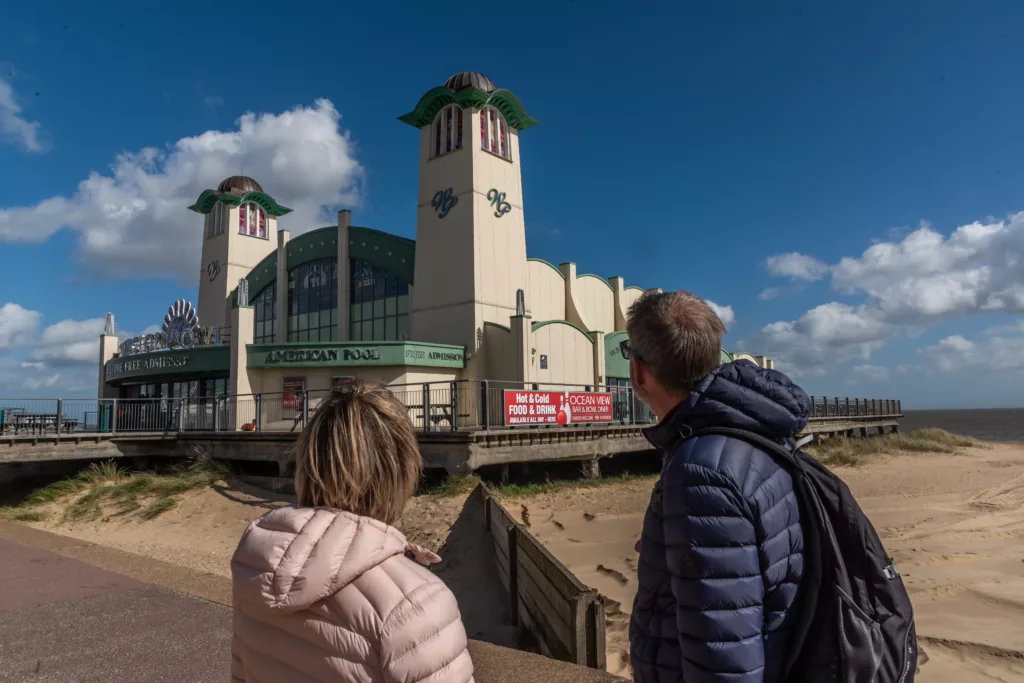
468,568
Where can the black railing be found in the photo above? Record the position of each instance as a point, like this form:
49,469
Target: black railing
462,405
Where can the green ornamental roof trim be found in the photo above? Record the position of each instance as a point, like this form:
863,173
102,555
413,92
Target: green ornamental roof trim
312,246
209,198
537,326
438,98
498,325
395,254
725,357
639,289
549,264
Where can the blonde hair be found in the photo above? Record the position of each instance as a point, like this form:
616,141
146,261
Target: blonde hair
358,453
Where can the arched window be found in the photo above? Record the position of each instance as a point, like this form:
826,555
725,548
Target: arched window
447,130
264,313
313,301
494,132
252,220
379,303
215,226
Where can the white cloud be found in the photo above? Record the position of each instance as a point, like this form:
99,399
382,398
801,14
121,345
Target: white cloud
18,326
797,266
13,126
724,313
768,293
133,220
870,373
69,342
993,354
908,285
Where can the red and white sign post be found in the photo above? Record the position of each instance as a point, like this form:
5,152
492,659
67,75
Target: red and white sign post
556,407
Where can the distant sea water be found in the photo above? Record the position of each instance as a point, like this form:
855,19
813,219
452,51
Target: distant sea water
997,424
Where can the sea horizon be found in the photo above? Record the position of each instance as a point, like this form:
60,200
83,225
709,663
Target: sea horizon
988,424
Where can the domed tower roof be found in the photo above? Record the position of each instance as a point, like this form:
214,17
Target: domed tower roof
470,79
239,185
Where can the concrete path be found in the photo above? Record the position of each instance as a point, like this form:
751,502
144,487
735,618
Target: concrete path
75,612
62,620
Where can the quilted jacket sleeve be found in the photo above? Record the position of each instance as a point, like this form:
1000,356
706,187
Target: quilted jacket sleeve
423,639
712,558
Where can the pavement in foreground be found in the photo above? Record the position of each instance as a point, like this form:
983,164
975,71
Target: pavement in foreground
74,612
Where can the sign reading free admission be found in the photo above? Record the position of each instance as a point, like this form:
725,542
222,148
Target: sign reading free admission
556,407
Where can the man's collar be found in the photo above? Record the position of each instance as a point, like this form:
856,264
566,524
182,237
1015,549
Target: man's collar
667,432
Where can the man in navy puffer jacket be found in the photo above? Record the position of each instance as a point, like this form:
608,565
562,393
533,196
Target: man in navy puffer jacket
721,555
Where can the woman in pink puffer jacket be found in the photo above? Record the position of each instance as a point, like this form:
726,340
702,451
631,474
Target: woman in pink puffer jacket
327,591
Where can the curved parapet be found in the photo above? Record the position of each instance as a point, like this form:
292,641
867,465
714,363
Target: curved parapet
589,300
546,300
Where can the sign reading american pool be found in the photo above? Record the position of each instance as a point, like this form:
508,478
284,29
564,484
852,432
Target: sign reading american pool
556,407
355,353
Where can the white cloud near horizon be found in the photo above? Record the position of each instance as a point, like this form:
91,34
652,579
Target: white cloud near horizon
906,286
991,354
134,220
16,128
18,326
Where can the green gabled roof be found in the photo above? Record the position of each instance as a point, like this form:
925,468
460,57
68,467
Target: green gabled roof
437,98
209,198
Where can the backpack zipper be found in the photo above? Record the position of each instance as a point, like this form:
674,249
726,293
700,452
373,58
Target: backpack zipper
907,649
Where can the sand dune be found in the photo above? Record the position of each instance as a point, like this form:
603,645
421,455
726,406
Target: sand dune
954,523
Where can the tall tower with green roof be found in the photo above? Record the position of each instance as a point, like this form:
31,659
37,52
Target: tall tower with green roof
239,229
470,232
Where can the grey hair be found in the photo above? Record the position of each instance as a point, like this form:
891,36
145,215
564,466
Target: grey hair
677,335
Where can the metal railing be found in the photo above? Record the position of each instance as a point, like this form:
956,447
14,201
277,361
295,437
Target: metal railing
460,405
831,407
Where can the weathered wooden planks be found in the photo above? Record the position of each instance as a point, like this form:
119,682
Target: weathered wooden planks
544,596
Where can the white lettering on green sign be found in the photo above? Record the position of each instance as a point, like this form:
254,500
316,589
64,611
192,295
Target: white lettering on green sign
121,367
302,356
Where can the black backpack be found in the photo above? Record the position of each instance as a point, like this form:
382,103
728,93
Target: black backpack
856,623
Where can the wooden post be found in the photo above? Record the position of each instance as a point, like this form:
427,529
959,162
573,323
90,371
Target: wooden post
899,407
578,630
513,579
484,421
837,406
596,646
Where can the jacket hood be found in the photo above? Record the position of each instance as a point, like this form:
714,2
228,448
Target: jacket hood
292,557
741,395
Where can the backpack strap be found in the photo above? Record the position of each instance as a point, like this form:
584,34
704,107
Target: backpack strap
754,439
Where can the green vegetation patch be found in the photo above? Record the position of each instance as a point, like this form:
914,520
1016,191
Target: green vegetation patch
105,486
853,451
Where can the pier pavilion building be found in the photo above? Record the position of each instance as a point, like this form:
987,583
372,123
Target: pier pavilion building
283,314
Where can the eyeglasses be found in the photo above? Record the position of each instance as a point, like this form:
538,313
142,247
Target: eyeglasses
626,350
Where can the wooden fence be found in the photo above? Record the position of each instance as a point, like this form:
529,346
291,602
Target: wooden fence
546,598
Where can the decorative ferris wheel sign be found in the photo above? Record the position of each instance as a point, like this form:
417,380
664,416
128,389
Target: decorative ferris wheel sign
180,330
181,324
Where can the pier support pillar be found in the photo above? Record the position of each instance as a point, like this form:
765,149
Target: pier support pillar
591,468
863,431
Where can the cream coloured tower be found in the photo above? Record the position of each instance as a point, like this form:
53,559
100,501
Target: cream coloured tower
240,229
470,233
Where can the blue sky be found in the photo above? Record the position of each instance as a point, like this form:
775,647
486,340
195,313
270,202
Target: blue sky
750,153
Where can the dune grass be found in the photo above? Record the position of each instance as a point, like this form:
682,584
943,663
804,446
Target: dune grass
104,490
853,451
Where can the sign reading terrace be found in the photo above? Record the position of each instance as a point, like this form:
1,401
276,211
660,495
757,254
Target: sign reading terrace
556,407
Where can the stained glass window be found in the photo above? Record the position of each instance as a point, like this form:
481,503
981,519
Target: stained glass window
447,130
494,135
252,220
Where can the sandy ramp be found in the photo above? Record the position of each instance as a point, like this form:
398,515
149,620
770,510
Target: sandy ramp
954,523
